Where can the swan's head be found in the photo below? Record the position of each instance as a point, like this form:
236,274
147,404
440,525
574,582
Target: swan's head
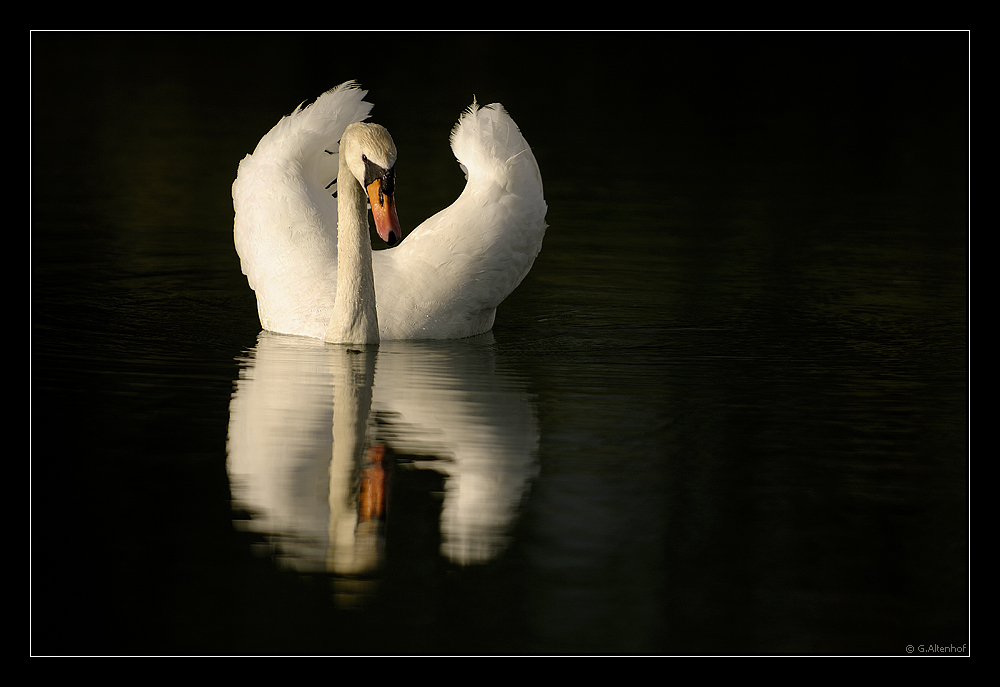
371,156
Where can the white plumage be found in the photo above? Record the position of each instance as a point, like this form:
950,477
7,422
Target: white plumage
445,280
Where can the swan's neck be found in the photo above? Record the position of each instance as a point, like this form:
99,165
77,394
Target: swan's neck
354,319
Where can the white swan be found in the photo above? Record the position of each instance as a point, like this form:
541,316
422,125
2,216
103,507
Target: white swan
444,281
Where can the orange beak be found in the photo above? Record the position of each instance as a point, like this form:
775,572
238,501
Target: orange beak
384,212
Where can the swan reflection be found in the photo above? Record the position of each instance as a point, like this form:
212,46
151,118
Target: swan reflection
319,432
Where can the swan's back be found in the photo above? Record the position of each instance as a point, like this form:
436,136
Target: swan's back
450,274
286,218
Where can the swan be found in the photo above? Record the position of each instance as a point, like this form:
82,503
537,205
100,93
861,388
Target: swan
301,227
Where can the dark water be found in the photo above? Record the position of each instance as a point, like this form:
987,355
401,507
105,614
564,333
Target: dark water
727,411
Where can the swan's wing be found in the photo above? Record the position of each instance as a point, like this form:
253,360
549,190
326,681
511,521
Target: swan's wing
449,275
286,217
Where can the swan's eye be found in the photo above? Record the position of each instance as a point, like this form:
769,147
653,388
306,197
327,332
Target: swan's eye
374,171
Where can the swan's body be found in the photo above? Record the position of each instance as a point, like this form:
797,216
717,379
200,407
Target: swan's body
444,281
